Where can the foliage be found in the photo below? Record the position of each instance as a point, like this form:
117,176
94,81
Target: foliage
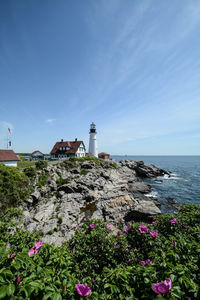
14,187
41,164
42,179
86,158
30,172
60,181
25,164
109,263
84,172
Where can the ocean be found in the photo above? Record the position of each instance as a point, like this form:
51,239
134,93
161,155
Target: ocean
183,185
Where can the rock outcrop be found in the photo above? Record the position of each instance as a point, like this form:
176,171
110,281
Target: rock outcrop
100,189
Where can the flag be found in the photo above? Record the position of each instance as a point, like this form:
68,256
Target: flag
9,131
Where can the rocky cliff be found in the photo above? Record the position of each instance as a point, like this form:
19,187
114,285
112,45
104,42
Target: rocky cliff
66,193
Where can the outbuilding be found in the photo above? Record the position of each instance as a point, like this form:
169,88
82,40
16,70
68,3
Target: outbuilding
8,158
37,155
104,155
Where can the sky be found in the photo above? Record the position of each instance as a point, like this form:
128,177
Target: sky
130,66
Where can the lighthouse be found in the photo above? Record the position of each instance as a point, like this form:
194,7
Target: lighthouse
93,141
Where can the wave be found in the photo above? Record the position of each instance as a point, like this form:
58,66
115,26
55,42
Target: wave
152,194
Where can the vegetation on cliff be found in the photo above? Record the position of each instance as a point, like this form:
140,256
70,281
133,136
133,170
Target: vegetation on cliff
138,261
14,187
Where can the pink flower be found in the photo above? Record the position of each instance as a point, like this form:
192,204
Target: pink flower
185,224
33,250
38,244
127,228
154,234
173,221
92,226
143,229
18,280
83,290
117,245
76,227
119,232
163,287
148,261
13,255
142,262
154,222
174,243
108,227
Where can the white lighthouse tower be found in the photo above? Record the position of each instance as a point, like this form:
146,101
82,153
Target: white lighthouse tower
93,140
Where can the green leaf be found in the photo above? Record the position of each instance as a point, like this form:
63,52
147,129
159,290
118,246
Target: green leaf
3,291
47,296
56,296
10,289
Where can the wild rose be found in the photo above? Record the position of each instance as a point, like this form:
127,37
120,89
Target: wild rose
38,244
185,224
33,250
148,261
154,222
143,229
108,227
92,226
154,234
174,243
13,255
127,228
117,245
163,287
142,262
173,221
77,226
119,232
83,290
18,280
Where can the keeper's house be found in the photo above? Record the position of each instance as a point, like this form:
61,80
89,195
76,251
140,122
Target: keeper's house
8,158
67,149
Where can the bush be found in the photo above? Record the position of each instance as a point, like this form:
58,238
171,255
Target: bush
14,187
42,180
120,265
41,164
30,172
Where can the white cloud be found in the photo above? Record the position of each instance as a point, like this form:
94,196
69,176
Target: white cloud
50,121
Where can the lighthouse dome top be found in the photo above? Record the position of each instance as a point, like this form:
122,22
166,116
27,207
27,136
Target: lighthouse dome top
93,128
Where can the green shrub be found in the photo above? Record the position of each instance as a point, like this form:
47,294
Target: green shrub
41,164
42,180
30,172
14,187
108,262
84,172
60,181
85,158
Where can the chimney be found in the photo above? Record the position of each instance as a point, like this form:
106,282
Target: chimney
61,140
75,139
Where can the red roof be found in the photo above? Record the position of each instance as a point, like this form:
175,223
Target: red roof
8,155
72,145
35,152
103,153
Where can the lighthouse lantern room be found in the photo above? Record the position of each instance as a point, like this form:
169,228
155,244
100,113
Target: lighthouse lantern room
93,141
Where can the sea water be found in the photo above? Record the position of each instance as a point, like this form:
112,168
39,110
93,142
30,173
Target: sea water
184,183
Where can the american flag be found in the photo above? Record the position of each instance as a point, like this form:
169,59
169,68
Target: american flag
9,131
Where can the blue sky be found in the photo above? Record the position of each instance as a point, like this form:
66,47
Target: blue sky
131,66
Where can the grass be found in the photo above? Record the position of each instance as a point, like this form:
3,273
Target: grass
25,164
